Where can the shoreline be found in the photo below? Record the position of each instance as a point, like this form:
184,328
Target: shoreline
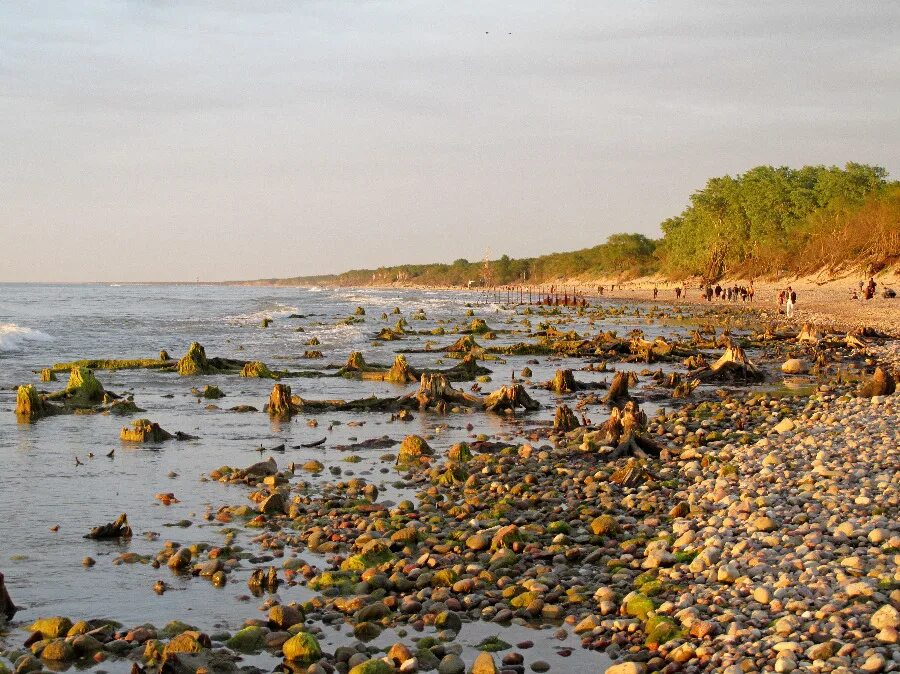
828,304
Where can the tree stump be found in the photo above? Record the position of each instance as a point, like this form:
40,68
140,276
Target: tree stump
618,390
400,372
7,608
809,333
435,389
280,405
194,361
144,430
881,384
508,398
117,529
734,364
565,420
31,406
624,432
563,382
257,370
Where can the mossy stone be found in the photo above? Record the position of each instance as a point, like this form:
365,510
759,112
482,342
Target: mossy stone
303,646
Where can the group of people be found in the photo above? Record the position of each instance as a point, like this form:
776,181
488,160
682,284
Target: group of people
729,294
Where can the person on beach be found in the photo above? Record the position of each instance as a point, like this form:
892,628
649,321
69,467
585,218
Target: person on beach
677,293
791,300
655,292
870,289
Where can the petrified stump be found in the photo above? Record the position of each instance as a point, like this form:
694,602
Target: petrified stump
881,383
734,364
194,361
508,398
618,390
809,333
435,391
280,405
31,406
7,608
565,420
563,382
117,529
257,369
400,372
144,430
83,387
624,432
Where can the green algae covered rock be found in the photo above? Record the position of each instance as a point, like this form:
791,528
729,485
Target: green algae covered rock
48,375
258,370
660,629
460,452
605,525
186,642
52,628
247,640
637,605
372,667
412,450
303,646
366,560
58,650
144,430
194,361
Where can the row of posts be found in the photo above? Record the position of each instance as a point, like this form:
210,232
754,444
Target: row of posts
565,296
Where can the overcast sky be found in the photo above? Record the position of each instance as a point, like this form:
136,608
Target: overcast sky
176,139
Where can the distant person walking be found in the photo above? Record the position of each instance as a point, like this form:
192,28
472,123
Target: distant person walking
655,292
791,301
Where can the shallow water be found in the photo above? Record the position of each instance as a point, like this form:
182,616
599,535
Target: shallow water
40,485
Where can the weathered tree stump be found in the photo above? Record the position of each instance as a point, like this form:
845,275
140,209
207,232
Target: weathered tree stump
565,420
508,398
624,432
117,529
144,430
30,406
400,372
810,333
733,364
618,390
881,384
7,608
435,389
194,361
563,382
258,370
280,405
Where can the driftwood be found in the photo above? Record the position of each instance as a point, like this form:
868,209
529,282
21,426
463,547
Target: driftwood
733,364
882,383
117,529
508,398
7,608
854,342
565,420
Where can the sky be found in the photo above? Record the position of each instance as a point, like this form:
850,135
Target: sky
166,140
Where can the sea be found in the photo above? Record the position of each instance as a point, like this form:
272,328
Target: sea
48,502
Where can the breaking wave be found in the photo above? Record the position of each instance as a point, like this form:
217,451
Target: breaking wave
15,338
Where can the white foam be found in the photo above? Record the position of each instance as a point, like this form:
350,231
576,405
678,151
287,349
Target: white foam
15,337
277,310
